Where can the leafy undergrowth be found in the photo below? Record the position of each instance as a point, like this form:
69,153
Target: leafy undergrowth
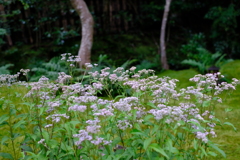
142,116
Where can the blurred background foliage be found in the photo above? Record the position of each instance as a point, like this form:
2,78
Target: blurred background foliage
33,32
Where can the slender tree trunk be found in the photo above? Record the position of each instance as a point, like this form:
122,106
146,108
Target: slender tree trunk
162,36
87,31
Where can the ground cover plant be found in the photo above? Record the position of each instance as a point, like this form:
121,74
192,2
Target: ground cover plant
119,114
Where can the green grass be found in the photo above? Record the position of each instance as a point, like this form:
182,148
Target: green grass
183,76
231,69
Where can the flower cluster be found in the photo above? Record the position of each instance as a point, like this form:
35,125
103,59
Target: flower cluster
145,105
70,59
6,79
57,117
24,71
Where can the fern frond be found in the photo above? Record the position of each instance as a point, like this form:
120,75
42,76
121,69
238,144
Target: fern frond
4,69
217,55
191,62
128,63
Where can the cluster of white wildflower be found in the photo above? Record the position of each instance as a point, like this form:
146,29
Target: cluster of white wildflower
7,79
63,77
123,124
24,71
77,107
70,59
57,117
44,90
209,82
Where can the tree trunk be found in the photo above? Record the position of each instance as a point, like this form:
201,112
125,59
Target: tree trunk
162,36
87,31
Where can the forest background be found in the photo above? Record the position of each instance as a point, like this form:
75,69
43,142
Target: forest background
32,32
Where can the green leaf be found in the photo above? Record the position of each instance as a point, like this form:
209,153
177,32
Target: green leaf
179,157
203,151
147,142
22,116
6,155
158,149
148,117
4,139
137,126
212,154
41,110
45,135
195,144
15,126
137,132
29,104
33,136
218,149
3,118
65,147
53,143
26,148
206,103
15,135
172,149
13,111
152,105
230,124
155,129
62,155
137,142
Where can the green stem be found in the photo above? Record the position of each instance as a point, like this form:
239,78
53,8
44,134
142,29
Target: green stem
12,136
120,134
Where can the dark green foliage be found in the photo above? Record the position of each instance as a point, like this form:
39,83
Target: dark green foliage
190,50
224,28
5,69
205,59
39,34
2,33
49,69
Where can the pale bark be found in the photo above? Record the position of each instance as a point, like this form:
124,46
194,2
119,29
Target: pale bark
87,31
162,36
